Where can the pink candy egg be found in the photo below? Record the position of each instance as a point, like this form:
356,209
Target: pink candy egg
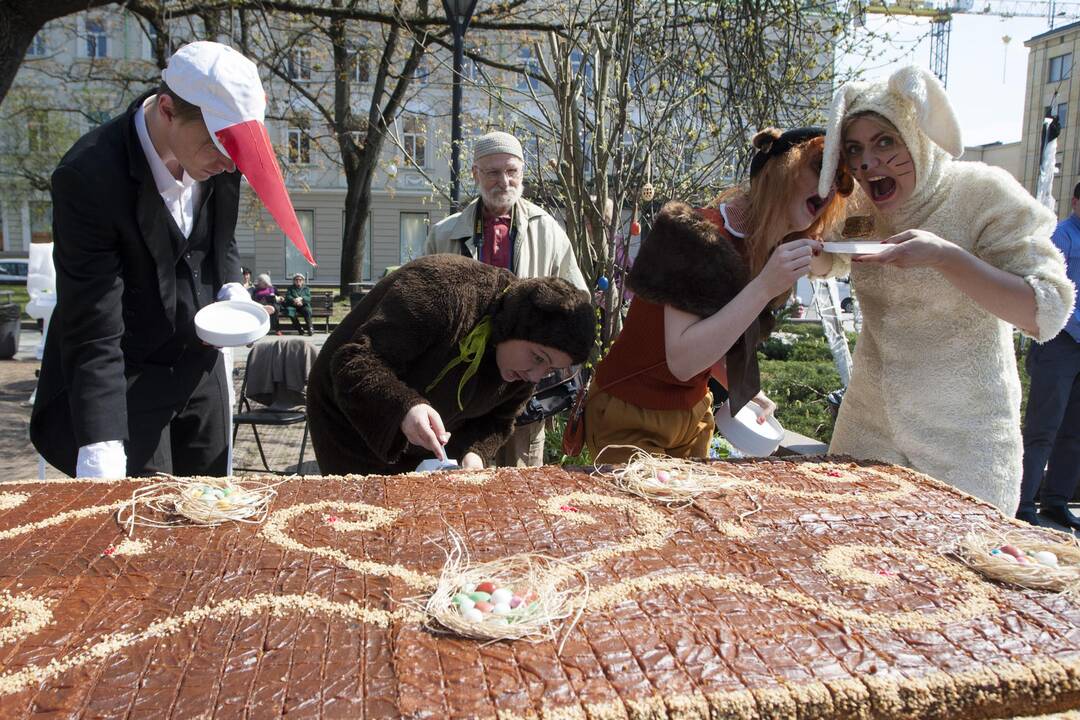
663,476
484,607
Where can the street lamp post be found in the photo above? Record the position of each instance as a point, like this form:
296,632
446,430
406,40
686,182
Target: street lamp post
459,13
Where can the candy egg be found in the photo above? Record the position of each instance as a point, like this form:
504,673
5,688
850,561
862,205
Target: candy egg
480,596
487,587
473,615
515,601
1047,558
663,476
462,600
502,595
1012,550
484,607
468,588
501,609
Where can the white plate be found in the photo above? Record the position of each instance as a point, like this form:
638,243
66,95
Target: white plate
747,435
231,323
856,248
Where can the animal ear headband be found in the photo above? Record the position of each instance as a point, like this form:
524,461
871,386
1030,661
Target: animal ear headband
908,88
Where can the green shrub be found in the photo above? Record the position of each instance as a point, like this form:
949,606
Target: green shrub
553,454
799,388
810,329
811,349
775,349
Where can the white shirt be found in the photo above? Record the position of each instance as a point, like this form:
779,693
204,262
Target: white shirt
181,197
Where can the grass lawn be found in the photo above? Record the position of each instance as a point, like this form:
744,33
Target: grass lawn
16,294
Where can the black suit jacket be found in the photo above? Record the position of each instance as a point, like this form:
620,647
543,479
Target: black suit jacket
116,285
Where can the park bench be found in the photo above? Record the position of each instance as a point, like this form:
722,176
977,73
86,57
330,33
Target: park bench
322,306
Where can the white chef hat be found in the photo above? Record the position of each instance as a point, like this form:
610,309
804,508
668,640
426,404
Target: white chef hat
225,86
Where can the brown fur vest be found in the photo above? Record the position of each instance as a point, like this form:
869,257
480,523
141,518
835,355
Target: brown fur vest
689,263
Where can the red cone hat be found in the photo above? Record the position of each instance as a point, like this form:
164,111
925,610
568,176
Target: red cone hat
225,85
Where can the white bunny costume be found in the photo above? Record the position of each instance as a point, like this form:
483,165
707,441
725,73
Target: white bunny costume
935,385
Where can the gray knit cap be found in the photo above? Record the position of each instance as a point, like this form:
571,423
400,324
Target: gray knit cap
497,142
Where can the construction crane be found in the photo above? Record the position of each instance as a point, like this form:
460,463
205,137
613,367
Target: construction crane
941,15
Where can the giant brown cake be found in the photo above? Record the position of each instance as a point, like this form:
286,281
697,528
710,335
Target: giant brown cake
804,590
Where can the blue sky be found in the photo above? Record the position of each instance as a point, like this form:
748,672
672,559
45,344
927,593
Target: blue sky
986,75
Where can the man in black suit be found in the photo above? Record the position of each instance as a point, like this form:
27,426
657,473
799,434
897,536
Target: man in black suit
144,213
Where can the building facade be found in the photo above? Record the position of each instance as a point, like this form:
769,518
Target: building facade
1051,92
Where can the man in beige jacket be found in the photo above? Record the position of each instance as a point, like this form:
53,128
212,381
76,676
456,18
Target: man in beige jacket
503,229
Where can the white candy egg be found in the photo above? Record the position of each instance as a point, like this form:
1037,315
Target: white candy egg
1045,557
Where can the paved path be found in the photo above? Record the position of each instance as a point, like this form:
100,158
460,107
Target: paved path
18,460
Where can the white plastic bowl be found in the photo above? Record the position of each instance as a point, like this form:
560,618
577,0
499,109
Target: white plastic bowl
231,323
856,248
747,435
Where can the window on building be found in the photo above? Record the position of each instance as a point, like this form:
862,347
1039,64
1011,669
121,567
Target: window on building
1060,68
422,74
37,46
150,35
41,222
294,261
532,68
414,139
369,240
299,146
1062,114
299,64
97,40
469,70
37,133
414,228
361,60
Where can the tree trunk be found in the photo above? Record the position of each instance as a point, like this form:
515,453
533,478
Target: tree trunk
359,173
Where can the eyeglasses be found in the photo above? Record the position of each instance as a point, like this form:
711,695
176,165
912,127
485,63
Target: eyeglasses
513,173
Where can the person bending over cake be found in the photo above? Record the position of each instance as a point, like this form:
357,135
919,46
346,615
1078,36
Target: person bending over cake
705,284
440,357
935,385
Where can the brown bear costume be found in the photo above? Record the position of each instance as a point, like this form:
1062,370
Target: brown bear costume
385,356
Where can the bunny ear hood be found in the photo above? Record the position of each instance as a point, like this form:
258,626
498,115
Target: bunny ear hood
914,101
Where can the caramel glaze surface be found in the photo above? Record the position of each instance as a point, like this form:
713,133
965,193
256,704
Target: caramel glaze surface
836,599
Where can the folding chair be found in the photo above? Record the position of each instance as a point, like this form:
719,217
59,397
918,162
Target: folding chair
279,412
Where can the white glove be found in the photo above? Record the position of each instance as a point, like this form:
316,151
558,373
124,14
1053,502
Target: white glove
105,459
234,291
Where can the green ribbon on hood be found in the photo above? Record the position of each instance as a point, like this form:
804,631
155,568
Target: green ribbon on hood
471,351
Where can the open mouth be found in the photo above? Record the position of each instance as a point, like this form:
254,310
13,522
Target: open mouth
814,204
881,188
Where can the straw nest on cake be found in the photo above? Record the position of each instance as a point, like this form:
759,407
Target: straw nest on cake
199,501
994,557
535,595
663,479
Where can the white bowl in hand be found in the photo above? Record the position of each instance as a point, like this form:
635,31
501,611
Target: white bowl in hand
749,437
231,323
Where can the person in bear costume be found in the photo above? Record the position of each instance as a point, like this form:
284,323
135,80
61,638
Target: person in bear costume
935,385
444,351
